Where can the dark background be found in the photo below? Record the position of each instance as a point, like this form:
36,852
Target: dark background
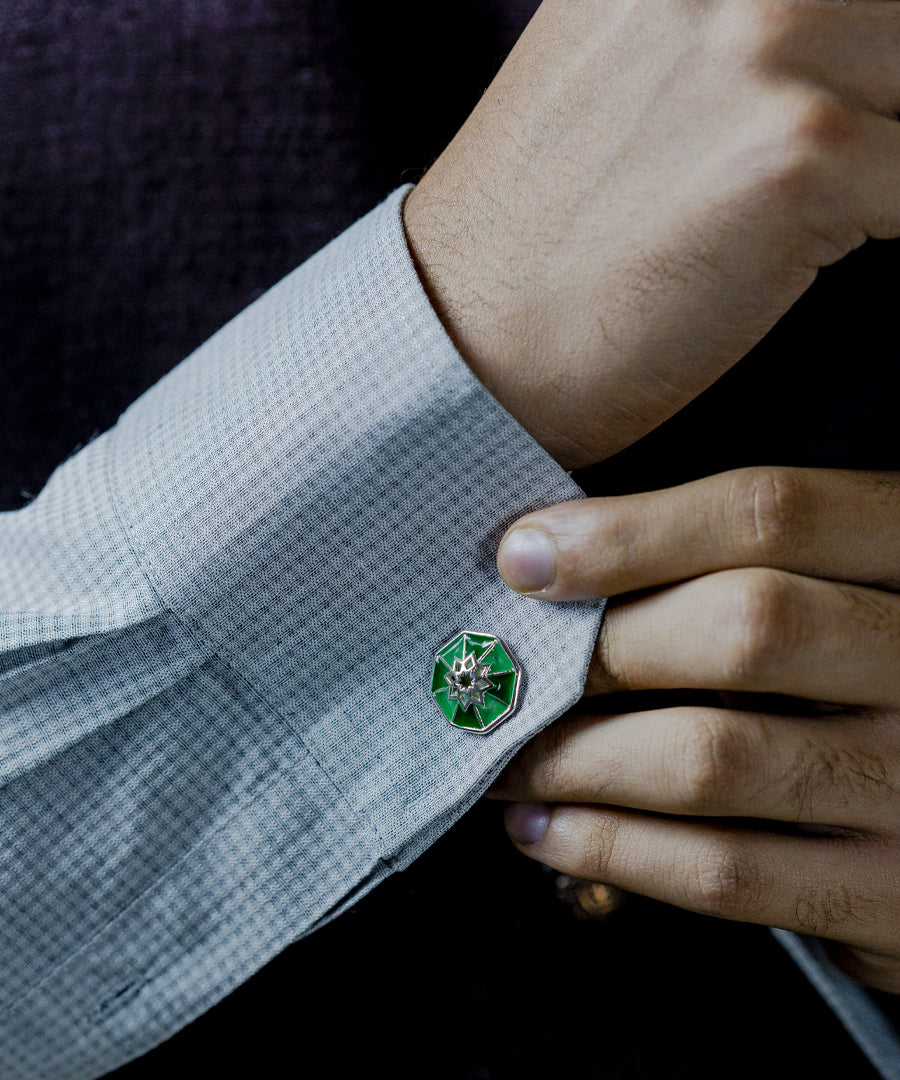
161,165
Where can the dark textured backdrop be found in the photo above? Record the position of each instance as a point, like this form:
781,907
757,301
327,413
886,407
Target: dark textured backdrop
161,164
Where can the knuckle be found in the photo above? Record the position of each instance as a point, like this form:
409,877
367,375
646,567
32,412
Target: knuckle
763,624
727,882
609,663
541,768
809,132
714,759
766,509
615,535
815,126
544,767
599,848
821,123
771,31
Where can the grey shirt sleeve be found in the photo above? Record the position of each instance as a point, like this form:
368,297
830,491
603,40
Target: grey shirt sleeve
217,628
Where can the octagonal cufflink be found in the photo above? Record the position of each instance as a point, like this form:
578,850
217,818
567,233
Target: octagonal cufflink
476,681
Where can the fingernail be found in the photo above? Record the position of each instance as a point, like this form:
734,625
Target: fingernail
527,560
526,823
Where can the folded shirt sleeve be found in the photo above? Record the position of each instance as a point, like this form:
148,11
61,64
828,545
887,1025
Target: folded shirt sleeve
218,623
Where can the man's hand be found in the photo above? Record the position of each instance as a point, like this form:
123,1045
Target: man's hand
644,190
772,810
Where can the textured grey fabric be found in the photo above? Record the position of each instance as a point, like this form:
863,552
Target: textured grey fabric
218,625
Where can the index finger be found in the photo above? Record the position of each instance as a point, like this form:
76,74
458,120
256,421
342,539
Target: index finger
828,523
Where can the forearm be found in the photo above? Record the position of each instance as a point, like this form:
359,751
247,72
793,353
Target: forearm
635,202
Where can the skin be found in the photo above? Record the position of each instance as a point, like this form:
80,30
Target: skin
629,209
770,810
636,200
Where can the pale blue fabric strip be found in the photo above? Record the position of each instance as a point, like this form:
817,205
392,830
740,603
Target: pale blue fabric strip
872,1031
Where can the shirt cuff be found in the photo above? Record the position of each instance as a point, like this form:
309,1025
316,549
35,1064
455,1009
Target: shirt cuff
334,483
303,512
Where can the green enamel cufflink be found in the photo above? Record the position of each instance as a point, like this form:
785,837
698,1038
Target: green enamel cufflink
476,681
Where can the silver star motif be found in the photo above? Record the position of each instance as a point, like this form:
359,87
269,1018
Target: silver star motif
468,681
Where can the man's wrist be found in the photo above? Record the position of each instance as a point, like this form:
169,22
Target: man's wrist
480,308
